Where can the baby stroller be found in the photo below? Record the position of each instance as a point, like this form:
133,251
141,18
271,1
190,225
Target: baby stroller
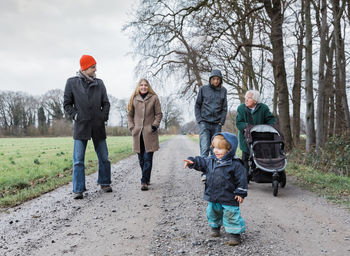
267,159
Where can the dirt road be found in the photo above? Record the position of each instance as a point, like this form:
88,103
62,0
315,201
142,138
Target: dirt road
169,219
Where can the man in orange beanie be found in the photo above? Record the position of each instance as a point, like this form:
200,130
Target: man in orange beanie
87,61
86,102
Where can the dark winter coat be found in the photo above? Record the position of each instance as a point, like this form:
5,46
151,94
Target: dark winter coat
87,99
260,115
211,102
226,178
145,113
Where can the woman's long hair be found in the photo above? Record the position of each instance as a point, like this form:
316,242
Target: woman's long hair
137,91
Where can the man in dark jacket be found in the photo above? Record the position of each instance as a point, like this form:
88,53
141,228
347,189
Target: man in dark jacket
252,111
86,102
210,111
226,185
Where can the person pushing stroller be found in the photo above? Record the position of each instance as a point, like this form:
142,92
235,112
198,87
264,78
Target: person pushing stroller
253,112
226,185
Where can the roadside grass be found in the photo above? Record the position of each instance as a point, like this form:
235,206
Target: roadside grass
333,187
30,167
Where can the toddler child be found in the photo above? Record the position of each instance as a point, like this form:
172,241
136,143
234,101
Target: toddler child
226,185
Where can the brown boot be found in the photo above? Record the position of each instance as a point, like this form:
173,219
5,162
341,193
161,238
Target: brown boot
235,239
144,187
215,232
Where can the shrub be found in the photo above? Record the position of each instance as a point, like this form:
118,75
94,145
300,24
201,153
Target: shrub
334,157
117,131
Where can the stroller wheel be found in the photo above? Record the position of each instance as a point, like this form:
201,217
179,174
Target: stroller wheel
275,187
283,179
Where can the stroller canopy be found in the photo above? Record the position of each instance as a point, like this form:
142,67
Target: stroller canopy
261,128
264,128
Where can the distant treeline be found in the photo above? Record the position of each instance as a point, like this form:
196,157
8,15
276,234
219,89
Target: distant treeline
22,114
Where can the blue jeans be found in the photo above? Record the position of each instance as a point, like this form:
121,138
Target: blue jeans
206,132
227,215
104,165
145,161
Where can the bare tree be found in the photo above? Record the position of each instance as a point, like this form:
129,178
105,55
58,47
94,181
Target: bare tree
329,92
187,39
236,46
172,114
17,112
4,118
323,28
165,46
189,128
122,108
310,116
42,121
298,61
342,120
52,101
274,11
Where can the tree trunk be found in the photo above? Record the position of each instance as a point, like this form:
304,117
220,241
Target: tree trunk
310,116
331,92
320,134
329,106
296,97
275,102
279,70
297,93
340,92
331,131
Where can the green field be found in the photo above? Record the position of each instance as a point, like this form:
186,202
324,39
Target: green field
30,167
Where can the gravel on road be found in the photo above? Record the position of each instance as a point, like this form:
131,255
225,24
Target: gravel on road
169,219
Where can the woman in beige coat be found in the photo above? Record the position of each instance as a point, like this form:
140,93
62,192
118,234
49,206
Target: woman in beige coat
144,116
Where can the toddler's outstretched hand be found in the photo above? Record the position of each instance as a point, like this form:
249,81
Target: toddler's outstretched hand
187,163
239,199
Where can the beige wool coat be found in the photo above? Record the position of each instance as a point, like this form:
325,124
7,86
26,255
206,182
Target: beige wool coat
145,113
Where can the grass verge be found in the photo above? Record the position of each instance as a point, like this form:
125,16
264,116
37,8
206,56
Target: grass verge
333,187
30,167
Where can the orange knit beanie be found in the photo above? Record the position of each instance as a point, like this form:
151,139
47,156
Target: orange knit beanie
86,61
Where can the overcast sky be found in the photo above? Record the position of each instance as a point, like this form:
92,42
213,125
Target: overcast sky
41,42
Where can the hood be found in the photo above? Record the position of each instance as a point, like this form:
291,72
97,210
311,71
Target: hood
232,139
215,72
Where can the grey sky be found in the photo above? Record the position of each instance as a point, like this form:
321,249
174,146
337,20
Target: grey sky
43,40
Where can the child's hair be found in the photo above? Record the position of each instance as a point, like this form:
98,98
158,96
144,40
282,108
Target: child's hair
220,142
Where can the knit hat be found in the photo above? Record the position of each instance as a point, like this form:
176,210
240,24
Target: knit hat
86,61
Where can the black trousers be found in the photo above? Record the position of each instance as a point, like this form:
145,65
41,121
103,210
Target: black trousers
245,158
145,161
